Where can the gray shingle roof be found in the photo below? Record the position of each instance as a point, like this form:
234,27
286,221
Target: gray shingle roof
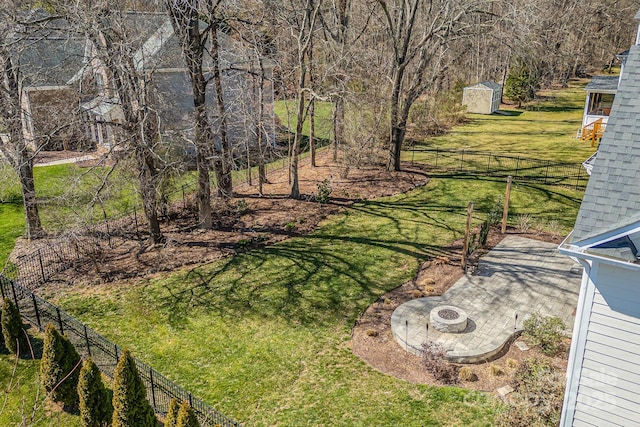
612,197
603,84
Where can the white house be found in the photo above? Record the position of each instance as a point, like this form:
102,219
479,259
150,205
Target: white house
603,374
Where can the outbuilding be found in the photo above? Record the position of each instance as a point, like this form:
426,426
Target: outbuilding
482,98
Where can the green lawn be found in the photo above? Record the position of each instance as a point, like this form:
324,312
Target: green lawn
64,194
324,125
20,392
545,130
264,336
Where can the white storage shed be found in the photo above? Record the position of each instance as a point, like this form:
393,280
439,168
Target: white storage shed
482,98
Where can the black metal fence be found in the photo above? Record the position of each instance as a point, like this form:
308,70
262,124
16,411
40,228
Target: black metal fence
490,164
105,354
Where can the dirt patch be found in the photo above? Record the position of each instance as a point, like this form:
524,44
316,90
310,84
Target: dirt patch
247,221
372,339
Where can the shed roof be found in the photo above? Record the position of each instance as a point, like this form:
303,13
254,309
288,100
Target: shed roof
603,84
612,197
485,85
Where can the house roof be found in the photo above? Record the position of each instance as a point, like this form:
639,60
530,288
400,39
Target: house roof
485,85
47,52
54,55
612,197
603,84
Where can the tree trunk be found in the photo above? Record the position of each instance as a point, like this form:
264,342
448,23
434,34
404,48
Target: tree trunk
312,107
148,175
223,166
338,125
295,154
185,22
32,217
397,130
312,131
16,150
262,173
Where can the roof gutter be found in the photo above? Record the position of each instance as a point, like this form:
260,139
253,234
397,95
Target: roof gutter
580,255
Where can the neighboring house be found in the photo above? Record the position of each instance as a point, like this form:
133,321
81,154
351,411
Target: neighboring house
603,374
601,91
49,56
75,86
482,98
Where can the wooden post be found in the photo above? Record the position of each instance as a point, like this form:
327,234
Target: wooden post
467,231
505,211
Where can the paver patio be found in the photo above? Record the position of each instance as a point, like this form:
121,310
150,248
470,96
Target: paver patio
519,276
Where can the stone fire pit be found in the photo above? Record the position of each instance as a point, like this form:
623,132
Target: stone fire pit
447,318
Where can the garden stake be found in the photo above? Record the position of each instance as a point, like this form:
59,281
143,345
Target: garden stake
406,335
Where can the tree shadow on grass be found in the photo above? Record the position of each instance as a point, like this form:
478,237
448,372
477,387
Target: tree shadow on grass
330,276
324,278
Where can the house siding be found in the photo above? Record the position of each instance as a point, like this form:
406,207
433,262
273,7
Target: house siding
609,386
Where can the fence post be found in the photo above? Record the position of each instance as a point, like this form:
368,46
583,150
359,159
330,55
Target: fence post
517,166
35,308
546,173
578,178
467,231
41,266
190,399
153,390
86,340
505,211
115,347
15,296
60,321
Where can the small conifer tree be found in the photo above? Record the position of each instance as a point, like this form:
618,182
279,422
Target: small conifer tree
95,407
13,333
130,405
171,419
59,367
187,417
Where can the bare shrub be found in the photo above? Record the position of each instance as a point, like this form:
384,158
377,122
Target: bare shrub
545,332
537,401
512,363
496,370
435,360
466,374
525,222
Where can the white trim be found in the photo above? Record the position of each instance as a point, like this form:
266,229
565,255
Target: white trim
608,236
579,254
578,342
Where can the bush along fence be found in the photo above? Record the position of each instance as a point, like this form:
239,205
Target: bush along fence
105,354
490,164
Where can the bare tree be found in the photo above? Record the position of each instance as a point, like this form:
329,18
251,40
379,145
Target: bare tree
130,83
185,18
13,145
418,31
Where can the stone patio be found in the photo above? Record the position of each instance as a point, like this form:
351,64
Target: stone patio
518,277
